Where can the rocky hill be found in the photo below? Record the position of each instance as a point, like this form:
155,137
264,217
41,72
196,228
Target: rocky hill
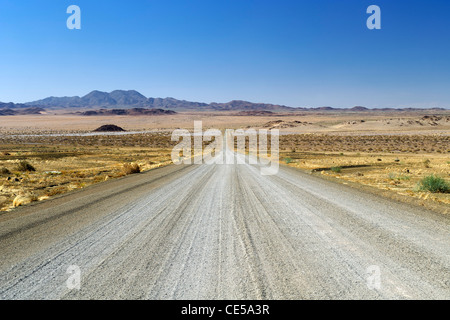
10,109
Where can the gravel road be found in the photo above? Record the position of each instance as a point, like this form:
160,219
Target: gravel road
224,232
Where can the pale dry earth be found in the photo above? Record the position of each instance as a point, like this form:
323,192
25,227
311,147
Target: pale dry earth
429,122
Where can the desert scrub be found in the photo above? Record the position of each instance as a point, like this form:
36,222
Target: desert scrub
336,169
56,190
434,184
130,168
288,160
4,171
24,166
393,176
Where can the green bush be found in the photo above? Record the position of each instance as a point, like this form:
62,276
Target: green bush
336,169
288,160
25,166
434,184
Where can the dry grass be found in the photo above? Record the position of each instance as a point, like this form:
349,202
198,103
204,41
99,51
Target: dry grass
25,166
4,171
391,163
366,160
62,167
412,144
391,152
131,168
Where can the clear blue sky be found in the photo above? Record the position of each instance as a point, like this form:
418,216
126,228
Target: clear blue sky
297,53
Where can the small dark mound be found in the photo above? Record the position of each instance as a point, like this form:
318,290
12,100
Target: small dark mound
109,128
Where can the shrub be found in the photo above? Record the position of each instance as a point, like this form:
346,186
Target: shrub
4,171
288,160
393,176
336,169
130,168
25,166
434,184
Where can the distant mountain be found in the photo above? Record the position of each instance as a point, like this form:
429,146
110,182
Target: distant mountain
97,99
133,99
255,113
20,111
174,104
359,109
129,99
126,112
115,99
249,106
324,109
7,112
58,102
11,105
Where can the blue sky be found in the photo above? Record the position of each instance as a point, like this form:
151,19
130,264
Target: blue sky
298,53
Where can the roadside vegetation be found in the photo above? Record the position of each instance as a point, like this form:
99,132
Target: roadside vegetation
336,169
131,168
25,166
415,166
55,165
434,184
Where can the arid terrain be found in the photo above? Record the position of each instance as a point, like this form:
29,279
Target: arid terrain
61,164
389,151
349,195
290,122
223,232
396,174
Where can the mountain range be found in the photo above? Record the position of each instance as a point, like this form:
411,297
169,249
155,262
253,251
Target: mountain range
133,99
129,99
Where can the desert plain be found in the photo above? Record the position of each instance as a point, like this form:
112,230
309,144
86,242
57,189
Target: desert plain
389,153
